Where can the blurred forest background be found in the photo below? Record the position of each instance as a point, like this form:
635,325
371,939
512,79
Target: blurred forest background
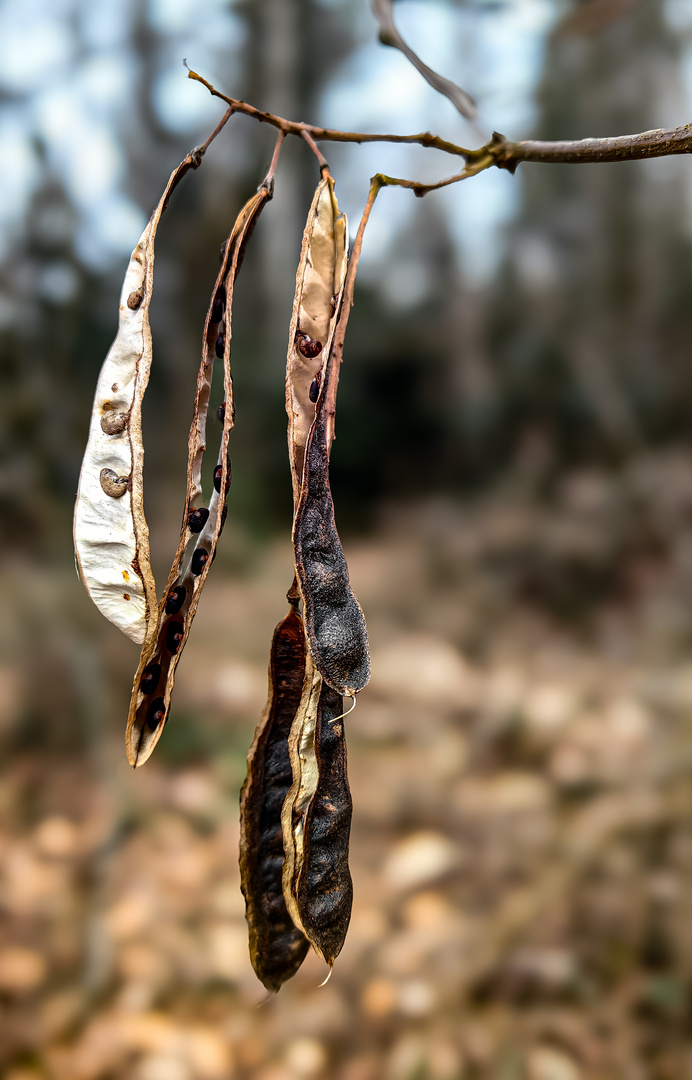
513,483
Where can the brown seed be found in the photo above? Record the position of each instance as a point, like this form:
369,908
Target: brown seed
197,519
174,636
309,347
156,713
135,299
150,678
112,484
113,423
199,560
176,599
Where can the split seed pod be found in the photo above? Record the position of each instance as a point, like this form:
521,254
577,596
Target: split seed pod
277,946
196,549
111,535
334,621
316,820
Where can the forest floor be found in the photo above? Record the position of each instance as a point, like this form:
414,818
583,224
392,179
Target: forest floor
521,768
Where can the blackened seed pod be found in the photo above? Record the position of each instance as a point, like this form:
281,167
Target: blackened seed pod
220,346
314,391
156,713
197,519
309,347
150,678
174,636
217,310
199,560
221,413
175,600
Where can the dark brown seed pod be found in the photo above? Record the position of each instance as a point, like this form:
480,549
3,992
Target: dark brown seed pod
175,600
150,678
334,621
199,560
112,484
316,820
174,636
277,946
197,519
308,346
220,346
113,423
323,888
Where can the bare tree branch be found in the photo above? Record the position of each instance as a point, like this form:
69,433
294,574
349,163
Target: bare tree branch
389,35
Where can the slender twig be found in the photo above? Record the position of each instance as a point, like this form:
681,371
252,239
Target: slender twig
499,152
316,150
320,134
268,182
347,304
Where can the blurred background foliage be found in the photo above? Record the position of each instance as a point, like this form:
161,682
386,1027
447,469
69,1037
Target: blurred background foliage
512,476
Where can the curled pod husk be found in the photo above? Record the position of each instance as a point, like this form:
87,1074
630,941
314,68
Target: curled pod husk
111,536
319,287
153,682
316,820
277,946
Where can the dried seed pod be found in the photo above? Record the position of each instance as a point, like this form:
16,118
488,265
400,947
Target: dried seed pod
321,274
277,946
316,820
334,620
193,560
110,531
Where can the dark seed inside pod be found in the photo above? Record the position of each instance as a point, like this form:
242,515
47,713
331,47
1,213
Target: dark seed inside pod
135,299
314,392
199,560
156,713
175,600
150,678
309,346
113,423
112,484
197,519
217,477
217,310
335,302
174,636
221,413
220,346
